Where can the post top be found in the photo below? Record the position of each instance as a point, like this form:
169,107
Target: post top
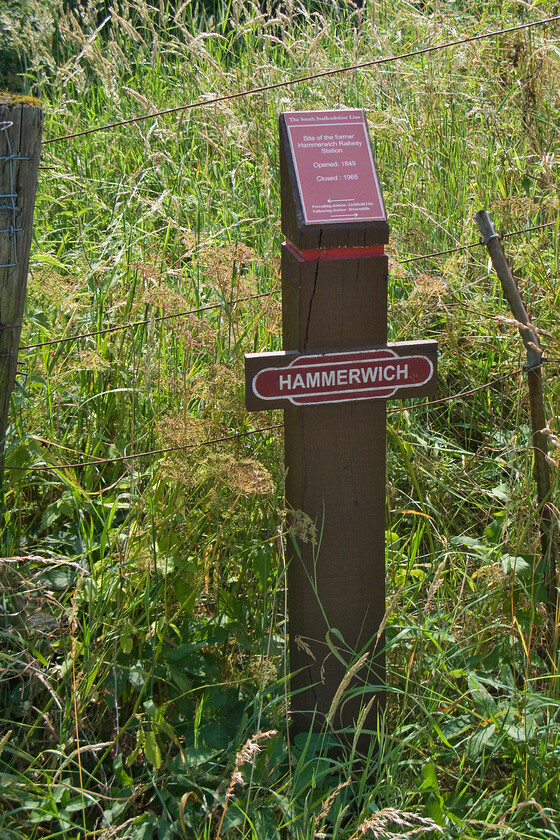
13,99
331,195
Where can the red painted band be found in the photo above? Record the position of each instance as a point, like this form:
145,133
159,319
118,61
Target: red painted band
314,254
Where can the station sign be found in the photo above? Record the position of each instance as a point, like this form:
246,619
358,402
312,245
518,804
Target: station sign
333,378
403,369
334,167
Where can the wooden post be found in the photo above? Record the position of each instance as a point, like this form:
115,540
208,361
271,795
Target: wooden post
530,338
335,454
333,379
21,120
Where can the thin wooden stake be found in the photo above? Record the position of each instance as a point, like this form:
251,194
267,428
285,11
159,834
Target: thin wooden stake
21,121
532,343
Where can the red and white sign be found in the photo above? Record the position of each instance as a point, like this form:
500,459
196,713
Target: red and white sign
334,167
340,377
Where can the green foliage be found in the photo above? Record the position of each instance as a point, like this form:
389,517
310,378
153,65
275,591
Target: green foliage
143,673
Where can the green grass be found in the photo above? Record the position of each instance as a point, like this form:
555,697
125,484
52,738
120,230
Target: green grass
143,601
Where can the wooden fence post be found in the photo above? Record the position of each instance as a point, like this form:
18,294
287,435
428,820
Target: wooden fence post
530,338
21,120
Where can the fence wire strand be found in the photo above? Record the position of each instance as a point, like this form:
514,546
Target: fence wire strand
146,321
472,244
233,303
236,436
163,451
376,62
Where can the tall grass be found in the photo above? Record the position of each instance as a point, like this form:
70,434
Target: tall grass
143,616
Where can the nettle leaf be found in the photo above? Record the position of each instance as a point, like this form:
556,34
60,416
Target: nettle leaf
50,516
137,676
430,777
57,579
261,564
214,736
515,565
483,740
181,654
501,492
456,727
112,814
127,643
176,676
434,809
468,542
265,822
167,830
152,750
493,531
483,701
517,733
202,666
120,773
196,756
434,805
519,726
144,828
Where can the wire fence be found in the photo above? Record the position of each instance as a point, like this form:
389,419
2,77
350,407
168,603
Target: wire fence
473,244
151,453
97,462
426,404
234,302
376,62
146,321
9,203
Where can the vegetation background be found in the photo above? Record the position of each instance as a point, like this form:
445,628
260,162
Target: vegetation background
142,656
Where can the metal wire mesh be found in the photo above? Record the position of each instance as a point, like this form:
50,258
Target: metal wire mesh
9,200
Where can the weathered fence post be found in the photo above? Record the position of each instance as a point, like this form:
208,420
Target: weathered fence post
21,120
530,337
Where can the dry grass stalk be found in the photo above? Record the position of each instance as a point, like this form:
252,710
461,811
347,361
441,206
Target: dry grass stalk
344,683
327,804
434,586
246,755
389,610
381,825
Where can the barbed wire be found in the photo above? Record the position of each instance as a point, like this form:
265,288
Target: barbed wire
163,451
261,430
311,77
145,321
430,403
472,244
233,303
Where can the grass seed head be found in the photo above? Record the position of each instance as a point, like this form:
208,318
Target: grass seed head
251,748
383,822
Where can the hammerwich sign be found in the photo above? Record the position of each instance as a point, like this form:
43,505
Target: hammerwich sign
272,379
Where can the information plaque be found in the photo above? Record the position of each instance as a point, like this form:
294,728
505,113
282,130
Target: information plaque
334,167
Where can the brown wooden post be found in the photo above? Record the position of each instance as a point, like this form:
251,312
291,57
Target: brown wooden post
21,121
333,379
335,454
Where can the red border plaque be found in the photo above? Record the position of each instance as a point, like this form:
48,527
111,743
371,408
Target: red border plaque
334,165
